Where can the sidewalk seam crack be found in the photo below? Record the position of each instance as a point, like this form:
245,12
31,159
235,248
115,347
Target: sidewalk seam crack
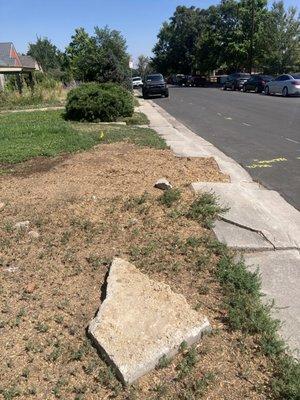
249,229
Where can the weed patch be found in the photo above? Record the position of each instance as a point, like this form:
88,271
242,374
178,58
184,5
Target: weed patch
169,197
205,209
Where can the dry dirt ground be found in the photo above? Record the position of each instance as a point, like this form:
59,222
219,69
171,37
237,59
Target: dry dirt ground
88,208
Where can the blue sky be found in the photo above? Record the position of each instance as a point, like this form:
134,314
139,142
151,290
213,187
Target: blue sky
138,20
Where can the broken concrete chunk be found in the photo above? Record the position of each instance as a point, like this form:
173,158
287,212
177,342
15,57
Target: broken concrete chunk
140,321
22,225
163,184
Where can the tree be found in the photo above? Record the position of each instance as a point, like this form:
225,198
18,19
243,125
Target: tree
143,65
46,54
81,55
283,40
175,49
99,58
235,35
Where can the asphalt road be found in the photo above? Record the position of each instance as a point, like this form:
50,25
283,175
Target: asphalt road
261,133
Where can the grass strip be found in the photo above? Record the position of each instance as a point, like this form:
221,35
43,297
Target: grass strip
46,133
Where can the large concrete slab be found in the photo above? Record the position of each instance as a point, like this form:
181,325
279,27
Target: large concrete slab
280,274
258,210
142,320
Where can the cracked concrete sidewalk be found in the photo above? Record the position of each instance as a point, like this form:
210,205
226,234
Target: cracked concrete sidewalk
259,222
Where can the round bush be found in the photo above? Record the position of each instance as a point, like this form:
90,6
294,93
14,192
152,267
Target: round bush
99,102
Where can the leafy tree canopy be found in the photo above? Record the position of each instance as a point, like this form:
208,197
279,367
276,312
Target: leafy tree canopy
100,58
235,35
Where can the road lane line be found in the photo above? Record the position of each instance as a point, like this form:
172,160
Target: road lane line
291,140
245,123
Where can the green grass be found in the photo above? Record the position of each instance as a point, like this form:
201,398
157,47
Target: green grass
138,118
39,133
46,133
143,137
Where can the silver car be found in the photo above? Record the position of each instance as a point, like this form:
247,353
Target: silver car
288,84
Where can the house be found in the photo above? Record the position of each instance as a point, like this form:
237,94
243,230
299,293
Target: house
12,62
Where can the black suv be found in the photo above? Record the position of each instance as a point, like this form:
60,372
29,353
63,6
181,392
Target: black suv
236,81
155,84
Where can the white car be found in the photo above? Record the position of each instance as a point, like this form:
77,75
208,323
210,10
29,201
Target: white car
288,84
137,82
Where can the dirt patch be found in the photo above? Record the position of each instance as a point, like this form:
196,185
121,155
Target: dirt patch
33,166
88,208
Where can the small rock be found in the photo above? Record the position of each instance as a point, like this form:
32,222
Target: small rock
163,184
30,288
2,205
22,225
34,234
12,268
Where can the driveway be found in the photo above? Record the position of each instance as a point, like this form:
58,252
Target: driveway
261,133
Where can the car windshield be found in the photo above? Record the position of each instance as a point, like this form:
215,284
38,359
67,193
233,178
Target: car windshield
154,78
136,79
296,76
267,77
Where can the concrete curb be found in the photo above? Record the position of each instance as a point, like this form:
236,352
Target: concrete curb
260,223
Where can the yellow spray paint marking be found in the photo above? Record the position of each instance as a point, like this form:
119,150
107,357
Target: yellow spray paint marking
266,163
101,135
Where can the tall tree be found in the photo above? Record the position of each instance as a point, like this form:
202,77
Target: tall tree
143,65
46,54
100,58
283,40
175,49
81,54
235,35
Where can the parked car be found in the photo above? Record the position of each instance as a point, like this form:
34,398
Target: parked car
137,82
236,81
288,84
181,80
153,85
197,80
257,83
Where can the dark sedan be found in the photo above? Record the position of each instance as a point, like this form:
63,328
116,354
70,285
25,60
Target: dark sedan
155,85
257,83
236,81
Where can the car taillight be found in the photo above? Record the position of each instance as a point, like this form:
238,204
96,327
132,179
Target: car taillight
295,82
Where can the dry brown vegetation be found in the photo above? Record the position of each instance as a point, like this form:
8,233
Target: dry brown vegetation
88,208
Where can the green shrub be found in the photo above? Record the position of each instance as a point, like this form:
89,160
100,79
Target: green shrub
99,102
169,197
205,209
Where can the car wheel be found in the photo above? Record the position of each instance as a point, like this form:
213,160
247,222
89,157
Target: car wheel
167,94
244,89
285,92
267,90
256,90
145,96
233,87
224,87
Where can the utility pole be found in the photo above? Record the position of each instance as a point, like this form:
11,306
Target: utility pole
251,36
